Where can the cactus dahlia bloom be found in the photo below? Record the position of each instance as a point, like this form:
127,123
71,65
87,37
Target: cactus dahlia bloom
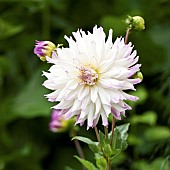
89,79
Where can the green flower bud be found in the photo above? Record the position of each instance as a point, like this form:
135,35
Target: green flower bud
138,75
136,23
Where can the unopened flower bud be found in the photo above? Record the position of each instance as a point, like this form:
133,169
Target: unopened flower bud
58,122
136,23
138,75
44,49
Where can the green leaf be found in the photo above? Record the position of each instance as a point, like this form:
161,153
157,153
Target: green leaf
86,163
105,143
157,133
123,130
107,150
120,137
7,29
148,117
94,146
31,102
100,162
68,168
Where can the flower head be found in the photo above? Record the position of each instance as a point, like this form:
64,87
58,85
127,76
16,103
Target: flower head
43,49
89,79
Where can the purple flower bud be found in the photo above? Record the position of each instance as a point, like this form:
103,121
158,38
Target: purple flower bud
44,49
58,122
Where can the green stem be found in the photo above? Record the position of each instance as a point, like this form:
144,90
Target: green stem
79,149
97,134
127,35
108,164
113,126
98,138
78,146
106,132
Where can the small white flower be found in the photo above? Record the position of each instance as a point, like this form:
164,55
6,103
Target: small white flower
89,78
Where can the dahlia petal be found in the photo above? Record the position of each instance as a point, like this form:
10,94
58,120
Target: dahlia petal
130,97
109,42
107,109
76,105
115,113
135,81
85,102
83,93
90,116
97,108
71,94
63,105
94,93
104,97
104,118
53,95
96,119
83,113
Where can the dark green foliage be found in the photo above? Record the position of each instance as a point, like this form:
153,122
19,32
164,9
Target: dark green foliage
25,141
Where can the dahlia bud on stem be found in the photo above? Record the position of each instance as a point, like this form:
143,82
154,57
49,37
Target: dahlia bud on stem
44,49
136,23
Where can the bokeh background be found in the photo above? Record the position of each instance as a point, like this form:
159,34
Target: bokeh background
25,140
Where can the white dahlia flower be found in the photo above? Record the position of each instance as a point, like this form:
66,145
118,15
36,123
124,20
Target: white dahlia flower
89,79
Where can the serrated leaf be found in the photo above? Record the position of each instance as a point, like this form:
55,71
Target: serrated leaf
123,130
120,137
94,146
86,163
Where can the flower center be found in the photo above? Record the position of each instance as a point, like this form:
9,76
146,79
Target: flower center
87,75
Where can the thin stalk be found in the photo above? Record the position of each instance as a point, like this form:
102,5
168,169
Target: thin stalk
78,146
98,138
106,132
97,134
127,35
79,149
108,164
113,126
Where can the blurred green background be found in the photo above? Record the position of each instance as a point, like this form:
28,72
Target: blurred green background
25,140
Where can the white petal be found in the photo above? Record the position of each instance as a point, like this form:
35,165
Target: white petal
104,97
83,92
94,93
104,118
76,105
90,116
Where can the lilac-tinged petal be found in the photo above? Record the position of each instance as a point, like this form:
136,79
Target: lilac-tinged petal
115,113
